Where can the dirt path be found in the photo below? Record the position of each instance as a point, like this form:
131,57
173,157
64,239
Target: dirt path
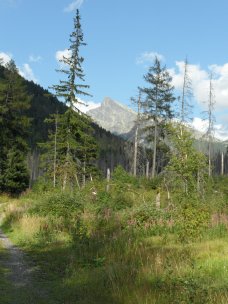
19,271
21,275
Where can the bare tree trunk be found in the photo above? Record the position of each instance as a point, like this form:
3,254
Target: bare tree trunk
135,152
55,151
198,181
222,163
64,181
155,150
209,156
84,174
136,137
147,169
108,180
66,169
76,178
210,126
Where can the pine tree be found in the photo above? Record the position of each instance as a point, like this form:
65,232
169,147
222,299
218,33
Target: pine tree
14,123
157,104
75,143
70,150
77,147
73,86
16,176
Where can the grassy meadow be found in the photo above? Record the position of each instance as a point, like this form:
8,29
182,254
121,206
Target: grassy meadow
116,247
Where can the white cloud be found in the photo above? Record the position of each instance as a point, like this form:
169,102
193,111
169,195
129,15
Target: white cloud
6,57
60,54
27,72
149,57
73,6
220,131
201,82
85,106
33,58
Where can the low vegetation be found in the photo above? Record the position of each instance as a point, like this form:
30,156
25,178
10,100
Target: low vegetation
117,247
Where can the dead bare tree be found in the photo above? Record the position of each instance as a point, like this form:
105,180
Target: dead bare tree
136,140
211,119
186,107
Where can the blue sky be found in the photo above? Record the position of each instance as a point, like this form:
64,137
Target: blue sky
122,38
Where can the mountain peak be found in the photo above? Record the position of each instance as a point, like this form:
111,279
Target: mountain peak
113,116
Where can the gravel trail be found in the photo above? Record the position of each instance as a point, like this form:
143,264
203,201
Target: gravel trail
21,275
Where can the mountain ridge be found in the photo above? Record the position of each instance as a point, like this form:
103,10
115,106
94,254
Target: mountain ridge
114,116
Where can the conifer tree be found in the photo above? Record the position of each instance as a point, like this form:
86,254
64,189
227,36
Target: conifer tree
16,177
14,123
76,147
70,150
157,104
73,85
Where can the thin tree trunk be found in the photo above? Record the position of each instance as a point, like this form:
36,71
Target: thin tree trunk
136,137
67,164
155,150
108,180
147,169
209,157
135,152
210,127
222,163
76,178
55,151
84,174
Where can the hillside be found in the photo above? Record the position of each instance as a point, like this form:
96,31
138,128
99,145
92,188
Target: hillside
113,150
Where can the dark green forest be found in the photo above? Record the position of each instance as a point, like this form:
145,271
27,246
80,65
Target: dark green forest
90,217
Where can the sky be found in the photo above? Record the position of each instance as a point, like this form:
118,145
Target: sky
123,37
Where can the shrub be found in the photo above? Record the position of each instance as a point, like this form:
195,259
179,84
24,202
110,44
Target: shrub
191,222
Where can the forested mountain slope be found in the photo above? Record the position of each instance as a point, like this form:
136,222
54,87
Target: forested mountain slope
113,150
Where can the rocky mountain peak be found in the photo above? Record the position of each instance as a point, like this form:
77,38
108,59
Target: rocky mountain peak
113,116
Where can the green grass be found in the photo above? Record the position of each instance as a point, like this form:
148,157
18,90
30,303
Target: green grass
119,249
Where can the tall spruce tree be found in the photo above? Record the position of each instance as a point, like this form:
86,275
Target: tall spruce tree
157,104
75,136
14,123
73,85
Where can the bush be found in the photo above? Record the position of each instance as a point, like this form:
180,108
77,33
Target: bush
191,223
149,219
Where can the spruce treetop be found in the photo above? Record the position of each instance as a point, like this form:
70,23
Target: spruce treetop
72,68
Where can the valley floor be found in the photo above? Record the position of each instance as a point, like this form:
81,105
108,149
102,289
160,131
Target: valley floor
117,249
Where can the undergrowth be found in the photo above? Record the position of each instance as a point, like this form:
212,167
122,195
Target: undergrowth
116,247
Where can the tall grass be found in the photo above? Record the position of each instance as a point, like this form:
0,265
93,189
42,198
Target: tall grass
118,248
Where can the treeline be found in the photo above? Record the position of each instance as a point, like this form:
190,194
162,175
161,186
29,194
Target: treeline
54,139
